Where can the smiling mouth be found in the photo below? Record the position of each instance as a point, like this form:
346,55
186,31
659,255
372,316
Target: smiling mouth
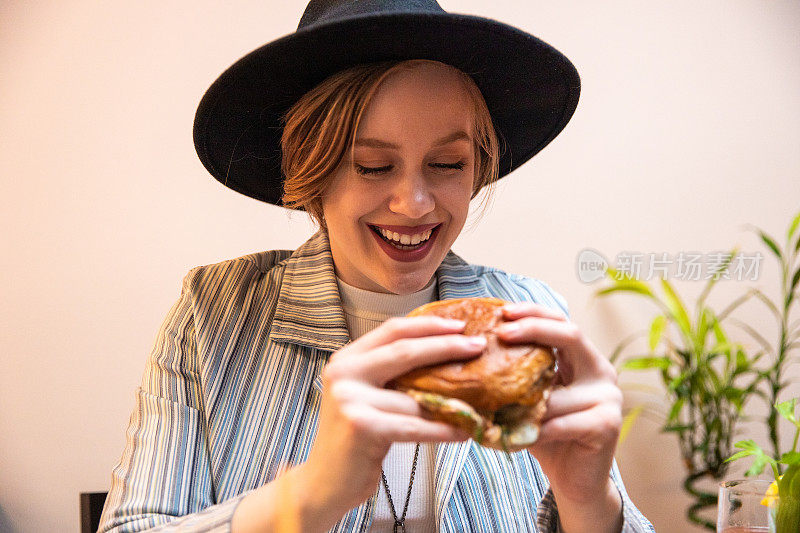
403,241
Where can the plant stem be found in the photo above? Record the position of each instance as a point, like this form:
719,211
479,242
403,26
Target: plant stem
704,500
775,379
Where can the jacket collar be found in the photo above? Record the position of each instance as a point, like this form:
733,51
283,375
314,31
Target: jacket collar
309,309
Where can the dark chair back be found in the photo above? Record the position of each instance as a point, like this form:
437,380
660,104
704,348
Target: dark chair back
91,509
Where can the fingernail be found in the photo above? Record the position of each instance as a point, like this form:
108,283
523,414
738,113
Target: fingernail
452,322
514,308
477,341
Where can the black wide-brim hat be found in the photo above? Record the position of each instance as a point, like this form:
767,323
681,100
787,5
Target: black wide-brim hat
530,88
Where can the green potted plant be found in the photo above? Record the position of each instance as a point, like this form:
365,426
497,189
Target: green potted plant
784,499
708,377
789,333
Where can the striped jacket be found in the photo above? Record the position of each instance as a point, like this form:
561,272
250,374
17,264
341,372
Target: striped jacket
231,393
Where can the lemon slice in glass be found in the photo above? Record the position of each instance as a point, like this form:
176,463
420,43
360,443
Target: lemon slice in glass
771,496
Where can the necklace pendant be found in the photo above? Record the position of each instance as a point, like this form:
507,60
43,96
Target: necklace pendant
399,527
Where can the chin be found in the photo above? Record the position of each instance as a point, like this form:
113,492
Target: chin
400,284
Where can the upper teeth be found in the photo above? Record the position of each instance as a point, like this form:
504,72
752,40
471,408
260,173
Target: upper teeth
406,239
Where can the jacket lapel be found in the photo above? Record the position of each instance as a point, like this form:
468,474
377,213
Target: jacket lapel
309,311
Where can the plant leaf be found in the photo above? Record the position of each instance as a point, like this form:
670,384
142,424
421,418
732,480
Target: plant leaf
630,285
719,333
714,279
750,448
739,455
790,458
676,410
736,396
748,444
624,344
772,307
706,318
715,381
736,303
722,347
742,362
676,428
753,333
786,410
643,363
771,244
795,278
677,308
793,226
628,420
758,465
678,380
656,329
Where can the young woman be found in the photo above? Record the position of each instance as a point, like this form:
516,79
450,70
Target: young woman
262,407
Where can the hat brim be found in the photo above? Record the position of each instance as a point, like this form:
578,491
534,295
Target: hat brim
530,88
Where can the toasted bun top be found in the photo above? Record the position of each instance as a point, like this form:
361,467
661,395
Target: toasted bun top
503,374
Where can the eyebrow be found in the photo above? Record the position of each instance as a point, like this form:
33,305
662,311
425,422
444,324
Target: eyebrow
377,143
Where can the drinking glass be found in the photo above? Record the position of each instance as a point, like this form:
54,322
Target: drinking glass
739,508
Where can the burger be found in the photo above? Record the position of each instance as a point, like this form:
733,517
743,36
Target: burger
499,397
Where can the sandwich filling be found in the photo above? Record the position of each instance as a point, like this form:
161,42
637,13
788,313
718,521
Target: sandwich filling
511,428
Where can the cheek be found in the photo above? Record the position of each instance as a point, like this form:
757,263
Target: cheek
346,214
458,196
342,203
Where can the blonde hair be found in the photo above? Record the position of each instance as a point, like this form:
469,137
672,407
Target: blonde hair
320,126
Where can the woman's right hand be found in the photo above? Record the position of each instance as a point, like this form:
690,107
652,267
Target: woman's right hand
359,419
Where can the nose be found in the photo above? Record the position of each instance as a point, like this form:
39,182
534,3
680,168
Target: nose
411,197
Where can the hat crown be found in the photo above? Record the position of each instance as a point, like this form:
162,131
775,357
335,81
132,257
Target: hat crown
325,11
531,90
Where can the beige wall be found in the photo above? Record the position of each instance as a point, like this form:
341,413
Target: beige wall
687,129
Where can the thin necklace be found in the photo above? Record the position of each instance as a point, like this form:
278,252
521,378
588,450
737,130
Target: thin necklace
400,525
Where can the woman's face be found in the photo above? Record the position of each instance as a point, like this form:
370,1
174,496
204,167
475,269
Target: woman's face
410,179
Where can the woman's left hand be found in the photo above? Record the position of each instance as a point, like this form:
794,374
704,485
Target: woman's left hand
579,434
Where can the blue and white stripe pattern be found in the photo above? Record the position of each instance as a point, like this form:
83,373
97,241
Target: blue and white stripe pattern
231,394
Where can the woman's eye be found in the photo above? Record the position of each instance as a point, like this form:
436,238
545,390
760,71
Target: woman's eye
387,168
373,170
453,166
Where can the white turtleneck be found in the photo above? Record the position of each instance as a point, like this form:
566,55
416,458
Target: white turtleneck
365,310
